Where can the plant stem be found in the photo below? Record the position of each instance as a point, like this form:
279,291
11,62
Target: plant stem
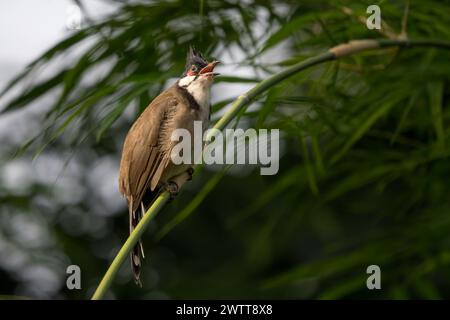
128,246
241,102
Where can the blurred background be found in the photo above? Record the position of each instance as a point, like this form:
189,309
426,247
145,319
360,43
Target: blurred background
364,164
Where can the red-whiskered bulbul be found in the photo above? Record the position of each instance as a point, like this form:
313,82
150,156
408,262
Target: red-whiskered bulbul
146,167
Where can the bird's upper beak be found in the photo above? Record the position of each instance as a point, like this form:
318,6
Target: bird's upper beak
210,68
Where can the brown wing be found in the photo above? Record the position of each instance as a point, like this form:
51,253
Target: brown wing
143,160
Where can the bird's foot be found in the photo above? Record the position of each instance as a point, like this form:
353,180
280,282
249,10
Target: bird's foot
172,188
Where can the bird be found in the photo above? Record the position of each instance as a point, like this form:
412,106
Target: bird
146,168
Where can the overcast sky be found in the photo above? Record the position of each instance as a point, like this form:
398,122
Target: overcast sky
29,27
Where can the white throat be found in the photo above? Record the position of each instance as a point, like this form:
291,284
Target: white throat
199,88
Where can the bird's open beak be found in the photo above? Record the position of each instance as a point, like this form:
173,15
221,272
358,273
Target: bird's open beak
210,68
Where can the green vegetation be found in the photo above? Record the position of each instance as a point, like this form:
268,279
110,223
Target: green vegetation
364,169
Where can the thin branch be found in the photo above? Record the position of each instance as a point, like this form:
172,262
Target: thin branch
243,101
403,33
128,246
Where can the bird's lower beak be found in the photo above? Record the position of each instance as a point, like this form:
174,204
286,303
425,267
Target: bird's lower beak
210,68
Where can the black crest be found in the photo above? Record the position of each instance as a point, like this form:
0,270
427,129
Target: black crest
194,58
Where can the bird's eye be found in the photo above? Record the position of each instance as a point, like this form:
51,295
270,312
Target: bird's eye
194,68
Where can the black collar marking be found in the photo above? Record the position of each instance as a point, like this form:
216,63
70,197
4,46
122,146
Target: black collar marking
192,102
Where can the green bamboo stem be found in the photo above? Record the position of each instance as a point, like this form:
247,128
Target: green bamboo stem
128,246
241,102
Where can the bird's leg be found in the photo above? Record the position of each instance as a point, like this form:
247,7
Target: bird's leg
172,188
175,183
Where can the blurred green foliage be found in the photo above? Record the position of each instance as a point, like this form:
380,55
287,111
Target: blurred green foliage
364,172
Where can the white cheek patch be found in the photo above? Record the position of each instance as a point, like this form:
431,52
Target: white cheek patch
186,81
199,88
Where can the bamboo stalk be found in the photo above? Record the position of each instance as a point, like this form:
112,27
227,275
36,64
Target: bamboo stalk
241,102
128,246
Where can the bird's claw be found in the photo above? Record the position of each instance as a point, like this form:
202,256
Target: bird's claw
172,188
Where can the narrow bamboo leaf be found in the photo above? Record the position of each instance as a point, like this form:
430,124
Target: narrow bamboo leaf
287,180
60,47
118,110
235,79
345,287
320,269
308,167
317,155
221,104
436,91
34,92
191,206
288,28
412,100
365,126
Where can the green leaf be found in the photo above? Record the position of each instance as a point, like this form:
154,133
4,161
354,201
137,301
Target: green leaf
366,124
436,91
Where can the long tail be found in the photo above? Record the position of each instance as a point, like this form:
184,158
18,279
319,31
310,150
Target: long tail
137,254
